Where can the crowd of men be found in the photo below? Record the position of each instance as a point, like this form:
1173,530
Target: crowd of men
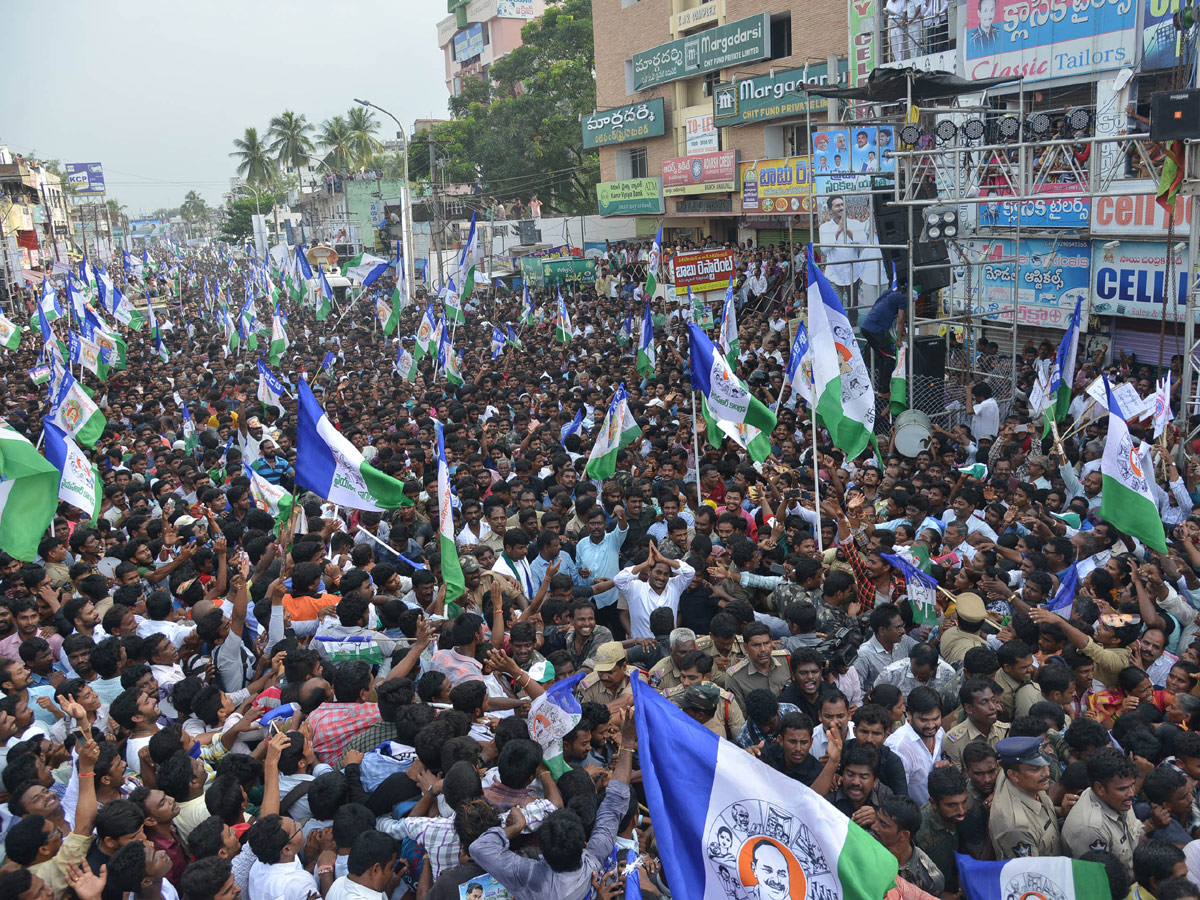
201,701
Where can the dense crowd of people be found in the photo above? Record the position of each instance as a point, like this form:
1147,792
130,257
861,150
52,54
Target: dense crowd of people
200,700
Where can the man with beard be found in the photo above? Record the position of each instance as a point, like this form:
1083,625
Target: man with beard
1023,821
896,823
941,819
981,706
861,792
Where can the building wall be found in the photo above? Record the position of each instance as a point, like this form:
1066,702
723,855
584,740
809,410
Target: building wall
359,200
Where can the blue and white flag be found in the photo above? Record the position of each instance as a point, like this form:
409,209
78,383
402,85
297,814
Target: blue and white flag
332,468
922,589
79,482
727,396
302,263
571,427
1032,878
498,341
1064,365
270,389
729,825
799,368
1065,598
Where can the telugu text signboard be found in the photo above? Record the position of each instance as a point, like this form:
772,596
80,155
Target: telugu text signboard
738,42
1129,280
625,123
1049,40
1050,275
635,197
702,270
85,178
776,186
1047,212
771,97
707,173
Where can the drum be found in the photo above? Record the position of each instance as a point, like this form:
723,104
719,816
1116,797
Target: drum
912,432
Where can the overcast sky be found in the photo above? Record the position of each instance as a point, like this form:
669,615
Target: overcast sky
156,91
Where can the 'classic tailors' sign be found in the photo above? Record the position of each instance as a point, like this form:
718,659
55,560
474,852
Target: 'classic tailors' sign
767,97
625,123
738,42
705,173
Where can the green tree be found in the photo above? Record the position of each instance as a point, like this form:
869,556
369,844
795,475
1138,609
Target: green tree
363,143
254,159
290,135
239,212
337,140
194,209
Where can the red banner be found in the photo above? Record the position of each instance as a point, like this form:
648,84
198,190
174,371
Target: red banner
704,173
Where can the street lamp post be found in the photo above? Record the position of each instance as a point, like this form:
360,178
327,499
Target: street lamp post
406,212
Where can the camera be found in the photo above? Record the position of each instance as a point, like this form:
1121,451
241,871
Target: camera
841,648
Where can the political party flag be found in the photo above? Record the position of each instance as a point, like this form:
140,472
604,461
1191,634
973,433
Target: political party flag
147,262
899,392
125,312
388,313
1067,586
513,340
1063,372
160,349
74,411
325,301
730,345
279,338
727,397
625,335
358,268
79,481
571,427
39,374
652,263
756,443
451,302
452,573
328,360
104,287
647,356
466,261
552,716
527,309
562,321
75,298
498,341
133,266
619,430
922,589
302,265
799,374
270,389
10,334
1060,877
270,498
406,364
1171,178
111,343
1126,501
448,360
191,441
48,307
1162,405
841,383
351,648
728,824
426,343
332,468
88,354
28,495
976,470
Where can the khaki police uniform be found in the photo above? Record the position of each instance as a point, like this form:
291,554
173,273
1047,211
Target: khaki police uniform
593,690
963,733
1022,825
736,653
745,677
956,642
1010,688
1094,825
726,722
664,675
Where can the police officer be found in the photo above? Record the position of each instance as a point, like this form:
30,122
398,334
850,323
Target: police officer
724,644
725,720
1103,819
1023,821
957,641
609,680
980,703
763,667
664,675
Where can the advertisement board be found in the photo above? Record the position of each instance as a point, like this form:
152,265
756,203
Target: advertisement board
863,56
468,43
85,178
738,42
636,197
856,150
771,97
701,135
776,186
516,9
1160,40
702,270
1138,214
704,14
1050,275
625,123
1044,213
1129,280
1056,39
568,271
708,173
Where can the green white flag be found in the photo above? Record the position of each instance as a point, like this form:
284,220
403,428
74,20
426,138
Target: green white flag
652,263
756,443
79,481
28,495
899,398
389,314
1126,501
270,498
279,339
618,431
128,314
10,334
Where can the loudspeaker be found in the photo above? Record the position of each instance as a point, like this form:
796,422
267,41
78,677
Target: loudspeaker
929,356
891,224
528,231
1175,115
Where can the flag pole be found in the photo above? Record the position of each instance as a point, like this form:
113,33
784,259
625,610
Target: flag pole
696,418
812,412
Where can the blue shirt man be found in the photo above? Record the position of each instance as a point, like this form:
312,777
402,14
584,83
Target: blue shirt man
599,551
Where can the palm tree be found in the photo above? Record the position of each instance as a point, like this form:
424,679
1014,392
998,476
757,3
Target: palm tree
254,159
363,142
194,209
291,140
337,140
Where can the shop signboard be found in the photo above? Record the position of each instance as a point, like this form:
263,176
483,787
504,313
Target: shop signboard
771,96
1044,213
702,270
625,123
777,186
1136,213
707,173
1129,280
635,197
1051,275
738,42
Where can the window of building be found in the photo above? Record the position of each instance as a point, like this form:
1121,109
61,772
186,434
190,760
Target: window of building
711,80
487,37
627,3
632,162
781,35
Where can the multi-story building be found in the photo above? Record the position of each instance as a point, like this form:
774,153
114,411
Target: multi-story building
689,92
479,32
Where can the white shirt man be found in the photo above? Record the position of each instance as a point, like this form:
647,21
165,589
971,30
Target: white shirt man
643,599
917,758
282,881
840,241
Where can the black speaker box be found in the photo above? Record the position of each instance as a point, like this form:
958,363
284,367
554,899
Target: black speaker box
891,224
1175,115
